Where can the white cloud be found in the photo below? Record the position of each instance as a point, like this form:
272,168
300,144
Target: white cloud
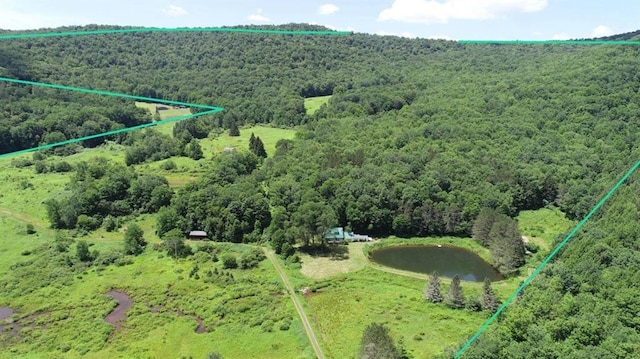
601,31
333,27
436,12
328,9
258,17
173,10
441,37
561,36
399,34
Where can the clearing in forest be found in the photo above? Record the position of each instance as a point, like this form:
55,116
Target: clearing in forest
312,104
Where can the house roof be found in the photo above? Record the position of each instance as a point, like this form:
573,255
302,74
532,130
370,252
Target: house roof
197,234
334,233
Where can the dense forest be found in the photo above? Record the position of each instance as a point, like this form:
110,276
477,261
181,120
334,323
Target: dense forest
418,138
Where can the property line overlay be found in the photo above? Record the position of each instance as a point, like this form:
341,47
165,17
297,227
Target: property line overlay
211,110
208,109
547,259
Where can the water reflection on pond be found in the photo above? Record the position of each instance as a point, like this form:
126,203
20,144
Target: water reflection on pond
448,261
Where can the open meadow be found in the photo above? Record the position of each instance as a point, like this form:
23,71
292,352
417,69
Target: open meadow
313,104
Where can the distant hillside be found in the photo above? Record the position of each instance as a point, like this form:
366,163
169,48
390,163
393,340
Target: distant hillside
633,35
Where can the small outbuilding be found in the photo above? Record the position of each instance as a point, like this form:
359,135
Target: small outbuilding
197,235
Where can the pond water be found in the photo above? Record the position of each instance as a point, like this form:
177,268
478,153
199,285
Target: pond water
5,312
119,313
448,261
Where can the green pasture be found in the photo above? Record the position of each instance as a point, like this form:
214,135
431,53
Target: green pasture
312,104
214,145
544,225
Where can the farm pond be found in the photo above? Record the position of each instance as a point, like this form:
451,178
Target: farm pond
446,260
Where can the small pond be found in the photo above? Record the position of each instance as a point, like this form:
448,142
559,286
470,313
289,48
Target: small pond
448,261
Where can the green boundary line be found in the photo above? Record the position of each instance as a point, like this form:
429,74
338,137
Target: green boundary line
546,260
550,42
209,110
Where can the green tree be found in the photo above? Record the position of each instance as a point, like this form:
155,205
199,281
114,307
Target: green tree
82,251
174,243
432,291
193,150
482,225
134,242
234,130
376,343
166,220
506,245
490,301
257,147
455,297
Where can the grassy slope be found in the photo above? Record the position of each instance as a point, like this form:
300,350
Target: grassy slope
312,104
543,226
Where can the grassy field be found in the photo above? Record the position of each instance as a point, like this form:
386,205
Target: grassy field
312,104
542,226
344,306
343,259
269,136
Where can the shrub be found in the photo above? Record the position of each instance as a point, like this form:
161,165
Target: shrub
21,162
229,261
168,165
30,229
87,224
532,247
110,223
62,167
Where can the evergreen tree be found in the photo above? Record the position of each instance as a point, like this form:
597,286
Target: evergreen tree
432,292
252,142
506,245
482,225
376,343
234,130
455,297
259,148
133,240
490,301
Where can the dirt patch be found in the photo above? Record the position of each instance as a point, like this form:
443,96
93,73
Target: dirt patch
125,302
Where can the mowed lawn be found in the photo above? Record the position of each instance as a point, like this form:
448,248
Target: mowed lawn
342,259
312,104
